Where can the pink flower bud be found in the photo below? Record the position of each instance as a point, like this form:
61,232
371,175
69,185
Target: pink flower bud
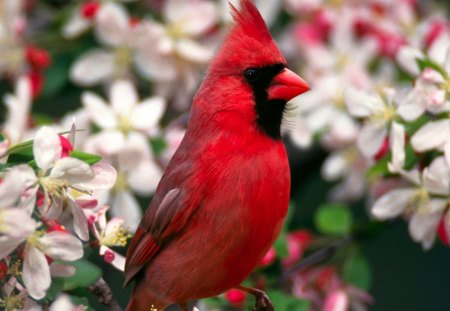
435,29
235,297
442,231
66,146
38,58
269,257
297,243
3,270
89,9
337,300
109,256
36,81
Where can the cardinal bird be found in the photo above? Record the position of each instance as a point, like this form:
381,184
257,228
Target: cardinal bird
224,195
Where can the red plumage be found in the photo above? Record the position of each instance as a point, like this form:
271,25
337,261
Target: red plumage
224,196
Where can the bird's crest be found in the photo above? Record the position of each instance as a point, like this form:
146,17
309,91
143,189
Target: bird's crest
249,42
249,20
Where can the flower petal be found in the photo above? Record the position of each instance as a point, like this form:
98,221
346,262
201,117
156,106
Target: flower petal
93,67
16,222
436,177
191,22
432,135
8,244
335,166
71,170
80,223
412,105
99,111
104,178
125,206
397,142
36,272
112,24
407,58
392,204
147,114
123,97
423,225
46,147
63,303
145,177
194,51
359,103
61,245
61,271
106,143
370,139
75,26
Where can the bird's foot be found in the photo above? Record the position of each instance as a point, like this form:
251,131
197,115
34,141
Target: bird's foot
263,302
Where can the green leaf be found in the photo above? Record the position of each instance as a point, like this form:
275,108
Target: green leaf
77,300
356,270
380,168
280,246
2,137
333,218
86,273
86,157
56,76
42,119
21,153
410,157
427,63
158,145
25,146
283,302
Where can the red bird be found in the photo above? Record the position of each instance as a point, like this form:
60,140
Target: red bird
224,196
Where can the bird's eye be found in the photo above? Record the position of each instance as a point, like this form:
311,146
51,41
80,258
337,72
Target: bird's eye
251,74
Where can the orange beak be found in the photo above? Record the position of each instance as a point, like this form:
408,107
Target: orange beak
287,85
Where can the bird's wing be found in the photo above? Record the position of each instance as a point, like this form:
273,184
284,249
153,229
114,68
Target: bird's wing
162,220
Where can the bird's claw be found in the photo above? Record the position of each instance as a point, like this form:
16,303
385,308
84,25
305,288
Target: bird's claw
263,302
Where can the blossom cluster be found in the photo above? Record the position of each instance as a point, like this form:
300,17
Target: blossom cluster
78,179
380,104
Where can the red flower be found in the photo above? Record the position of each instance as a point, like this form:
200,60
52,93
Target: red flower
66,146
235,297
89,9
442,231
3,270
38,58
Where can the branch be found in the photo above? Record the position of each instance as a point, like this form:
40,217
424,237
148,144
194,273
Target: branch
103,293
316,258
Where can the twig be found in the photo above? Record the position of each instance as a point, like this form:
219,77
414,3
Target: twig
103,293
316,257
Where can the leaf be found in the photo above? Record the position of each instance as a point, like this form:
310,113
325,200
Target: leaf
158,145
19,148
356,270
86,157
86,273
379,169
280,246
77,300
283,302
55,77
333,218
21,153
428,63
2,137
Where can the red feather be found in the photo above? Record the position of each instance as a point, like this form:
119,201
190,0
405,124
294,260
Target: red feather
224,196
